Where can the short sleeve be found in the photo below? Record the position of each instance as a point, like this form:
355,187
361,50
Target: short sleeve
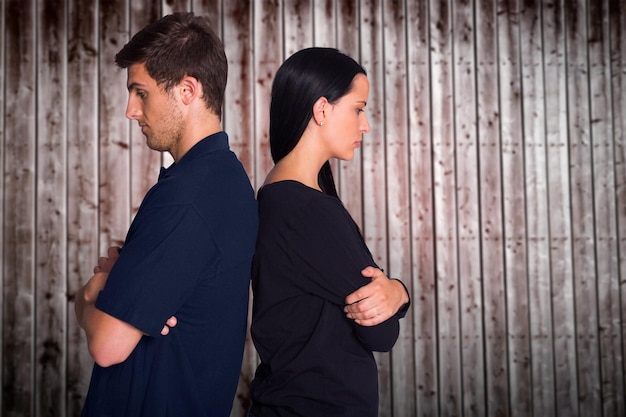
167,250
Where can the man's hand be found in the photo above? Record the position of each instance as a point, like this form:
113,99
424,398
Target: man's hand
377,301
105,264
87,295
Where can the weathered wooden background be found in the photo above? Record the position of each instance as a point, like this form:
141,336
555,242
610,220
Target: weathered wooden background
493,182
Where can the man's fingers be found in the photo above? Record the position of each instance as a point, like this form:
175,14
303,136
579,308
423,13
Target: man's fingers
113,251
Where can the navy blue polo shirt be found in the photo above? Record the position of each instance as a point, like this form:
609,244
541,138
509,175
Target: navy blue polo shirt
187,253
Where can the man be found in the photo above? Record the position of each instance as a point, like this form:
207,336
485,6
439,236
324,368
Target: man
188,251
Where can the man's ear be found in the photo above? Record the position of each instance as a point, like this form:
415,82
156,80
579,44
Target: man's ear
319,110
190,88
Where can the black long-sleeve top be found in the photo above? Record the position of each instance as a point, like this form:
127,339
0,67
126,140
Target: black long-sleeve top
314,360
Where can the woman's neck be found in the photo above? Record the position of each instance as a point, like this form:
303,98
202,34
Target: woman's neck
298,167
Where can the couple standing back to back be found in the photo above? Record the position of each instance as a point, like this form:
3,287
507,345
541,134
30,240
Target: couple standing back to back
188,256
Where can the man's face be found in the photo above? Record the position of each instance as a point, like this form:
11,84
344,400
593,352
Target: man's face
156,110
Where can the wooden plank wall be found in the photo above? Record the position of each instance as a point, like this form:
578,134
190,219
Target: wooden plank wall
493,182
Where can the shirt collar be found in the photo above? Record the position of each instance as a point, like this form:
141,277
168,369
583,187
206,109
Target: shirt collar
215,142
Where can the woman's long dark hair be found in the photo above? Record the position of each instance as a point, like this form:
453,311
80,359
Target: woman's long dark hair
300,81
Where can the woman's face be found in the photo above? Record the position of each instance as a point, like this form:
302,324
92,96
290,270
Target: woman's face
346,121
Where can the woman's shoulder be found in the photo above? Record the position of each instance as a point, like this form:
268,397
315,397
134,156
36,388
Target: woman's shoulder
291,186
296,192
290,196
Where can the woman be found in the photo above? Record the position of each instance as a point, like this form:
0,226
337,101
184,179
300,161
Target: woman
315,361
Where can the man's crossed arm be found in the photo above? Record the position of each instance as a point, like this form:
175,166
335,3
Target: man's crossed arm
109,339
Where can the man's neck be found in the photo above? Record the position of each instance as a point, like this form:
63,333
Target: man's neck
196,130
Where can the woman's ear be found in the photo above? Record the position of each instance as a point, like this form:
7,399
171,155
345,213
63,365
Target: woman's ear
319,111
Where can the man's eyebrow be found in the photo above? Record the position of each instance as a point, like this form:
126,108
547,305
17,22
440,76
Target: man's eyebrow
133,86
364,102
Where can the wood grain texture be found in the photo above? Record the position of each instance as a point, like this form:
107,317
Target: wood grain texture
423,277
539,283
82,186
581,186
238,120
522,396
51,212
467,196
446,219
268,56
617,55
560,221
496,382
492,182
611,386
398,193
3,70
19,221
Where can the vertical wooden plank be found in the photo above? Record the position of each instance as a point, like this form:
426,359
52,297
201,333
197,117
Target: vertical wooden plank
2,152
539,285
297,25
173,6
581,186
213,10
423,280
268,56
497,402
82,184
513,203
238,118
238,122
51,180
373,157
144,162
326,15
617,35
398,194
18,365
468,229
114,153
559,204
605,225
444,193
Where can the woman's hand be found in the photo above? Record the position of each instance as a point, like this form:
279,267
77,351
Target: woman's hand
377,301
171,322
